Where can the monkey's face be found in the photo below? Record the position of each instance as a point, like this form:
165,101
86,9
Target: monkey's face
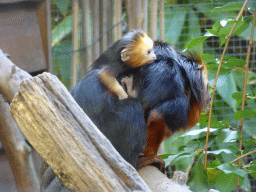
139,52
147,53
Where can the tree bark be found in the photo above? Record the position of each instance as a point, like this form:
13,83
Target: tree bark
67,139
17,150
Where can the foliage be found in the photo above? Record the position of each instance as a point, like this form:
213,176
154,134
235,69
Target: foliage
185,151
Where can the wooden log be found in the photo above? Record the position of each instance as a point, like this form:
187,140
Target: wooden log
158,182
17,150
67,139
10,78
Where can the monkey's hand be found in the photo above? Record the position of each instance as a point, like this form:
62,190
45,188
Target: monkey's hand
151,160
112,84
128,83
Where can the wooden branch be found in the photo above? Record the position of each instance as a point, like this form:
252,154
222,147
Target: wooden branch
68,141
158,182
17,150
10,78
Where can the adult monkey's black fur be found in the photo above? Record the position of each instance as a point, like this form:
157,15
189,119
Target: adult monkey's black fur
172,92
121,121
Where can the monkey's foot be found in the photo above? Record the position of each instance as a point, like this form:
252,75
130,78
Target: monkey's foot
128,83
151,160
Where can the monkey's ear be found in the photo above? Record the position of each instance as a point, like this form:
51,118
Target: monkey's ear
125,55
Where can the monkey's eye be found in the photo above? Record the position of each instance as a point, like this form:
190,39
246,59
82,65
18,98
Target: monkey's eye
149,51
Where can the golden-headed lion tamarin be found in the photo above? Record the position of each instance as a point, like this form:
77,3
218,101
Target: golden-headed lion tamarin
131,51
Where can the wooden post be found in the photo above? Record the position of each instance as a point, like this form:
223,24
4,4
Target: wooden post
86,52
130,15
138,14
104,26
145,15
153,19
161,20
114,20
119,18
96,29
75,42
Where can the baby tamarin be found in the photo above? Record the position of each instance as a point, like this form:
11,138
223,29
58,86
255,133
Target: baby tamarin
131,51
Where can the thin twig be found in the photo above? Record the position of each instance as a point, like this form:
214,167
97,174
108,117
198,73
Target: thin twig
240,157
215,82
244,91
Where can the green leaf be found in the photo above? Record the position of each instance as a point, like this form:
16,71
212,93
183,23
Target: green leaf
246,113
63,6
62,62
170,159
216,16
254,91
211,173
248,142
226,85
246,34
231,63
61,30
226,182
222,40
196,41
198,180
207,58
199,133
217,124
224,31
235,148
184,162
216,26
238,97
214,163
217,152
216,33
240,27
229,7
228,168
173,26
194,30
252,170
227,135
